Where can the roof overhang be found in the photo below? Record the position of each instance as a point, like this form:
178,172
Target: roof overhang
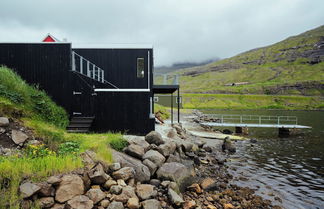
165,89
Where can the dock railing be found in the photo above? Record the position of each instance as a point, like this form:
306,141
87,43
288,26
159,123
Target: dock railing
166,79
254,119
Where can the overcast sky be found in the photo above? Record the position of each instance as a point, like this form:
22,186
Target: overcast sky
179,30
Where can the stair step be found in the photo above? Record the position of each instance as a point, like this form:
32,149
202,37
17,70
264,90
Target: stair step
78,125
78,131
80,121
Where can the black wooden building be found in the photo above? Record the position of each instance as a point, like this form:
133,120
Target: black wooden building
102,88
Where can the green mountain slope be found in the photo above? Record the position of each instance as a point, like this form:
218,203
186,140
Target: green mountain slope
294,66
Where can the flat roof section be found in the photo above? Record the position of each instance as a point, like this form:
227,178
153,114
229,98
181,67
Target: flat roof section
165,89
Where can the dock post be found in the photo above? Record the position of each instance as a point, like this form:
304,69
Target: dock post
242,130
284,132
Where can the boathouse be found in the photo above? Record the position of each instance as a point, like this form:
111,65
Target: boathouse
103,88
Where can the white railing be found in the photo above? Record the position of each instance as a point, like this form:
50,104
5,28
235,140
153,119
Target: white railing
87,68
166,79
255,119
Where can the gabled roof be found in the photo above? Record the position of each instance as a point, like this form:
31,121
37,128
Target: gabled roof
50,38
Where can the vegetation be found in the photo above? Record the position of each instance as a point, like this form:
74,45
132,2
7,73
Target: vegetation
164,111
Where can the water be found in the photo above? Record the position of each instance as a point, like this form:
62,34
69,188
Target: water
288,171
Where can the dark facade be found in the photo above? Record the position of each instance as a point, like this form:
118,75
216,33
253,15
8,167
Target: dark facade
122,103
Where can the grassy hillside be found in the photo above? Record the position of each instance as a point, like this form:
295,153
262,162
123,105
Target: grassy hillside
294,66
59,151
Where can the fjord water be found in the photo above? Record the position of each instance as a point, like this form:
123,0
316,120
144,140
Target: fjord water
288,171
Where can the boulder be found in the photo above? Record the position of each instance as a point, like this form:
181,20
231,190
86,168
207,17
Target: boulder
18,137
208,184
133,203
58,206
228,145
121,182
79,202
128,192
186,146
28,189
189,204
154,138
116,205
109,183
47,190
97,174
70,186
4,122
2,130
145,191
104,203
172,133
116,189
155,157
142,173
195,188
174,158
124,173
207,148
114,166
175,198
152,167
167,148
176,172
96,195
140,141
155,182
54,180
46,202
135,151
151,204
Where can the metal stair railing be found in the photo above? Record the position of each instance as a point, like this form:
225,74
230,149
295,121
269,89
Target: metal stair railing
166,79
87,68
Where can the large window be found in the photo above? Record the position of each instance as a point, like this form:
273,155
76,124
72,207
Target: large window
140,68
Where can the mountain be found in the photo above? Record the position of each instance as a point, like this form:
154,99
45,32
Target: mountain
294,66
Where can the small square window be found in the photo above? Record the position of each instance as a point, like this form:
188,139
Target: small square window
140,68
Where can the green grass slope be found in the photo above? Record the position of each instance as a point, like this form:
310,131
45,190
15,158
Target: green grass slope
294,66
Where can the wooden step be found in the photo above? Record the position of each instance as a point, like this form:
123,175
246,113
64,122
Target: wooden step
80,124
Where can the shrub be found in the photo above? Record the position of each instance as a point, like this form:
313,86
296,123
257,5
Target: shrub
69,148
36,151
118,143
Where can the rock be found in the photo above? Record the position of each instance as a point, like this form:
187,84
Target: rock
228,206
54,180
28,189
167,148
195,188
70,186
18,137
174,158
140,142
151,166
155,157
172,133
175,198
104,203
142,172
86,181
115,189
145,191
116,205
2,130
165,184
89,157
97,175
253,141
207,148
109,183
122,183
96,195
124,173
211,207
200,143
133,203
174,171
155,182
46,190
114,166
189,204
4,122
154,138
46,202
208,184
178,128
227,131
58,206
135,151
79,202
151,204
127,192
228,145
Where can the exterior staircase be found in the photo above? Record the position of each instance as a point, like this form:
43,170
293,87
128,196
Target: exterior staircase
80,124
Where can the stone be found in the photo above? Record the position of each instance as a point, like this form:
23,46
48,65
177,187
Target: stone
96,195
2,130
151,204
154,138
145,191
186,146
140,141
173,158
228,206
165,184
4,122
200,143
178,128
104,203
54,180
195,188
46,202
189,204
114,166
89,158
172,133
253,140
109,183
208,183
97,175
58,206
151,166
155,157
79,202
211,207
167,148
176,172
116,205
28,189
228,145
121,182
175,198
47,190
207,148
70,186
155,182
115,189
142,172
18,137
133,203
127,192
124,173
135,151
